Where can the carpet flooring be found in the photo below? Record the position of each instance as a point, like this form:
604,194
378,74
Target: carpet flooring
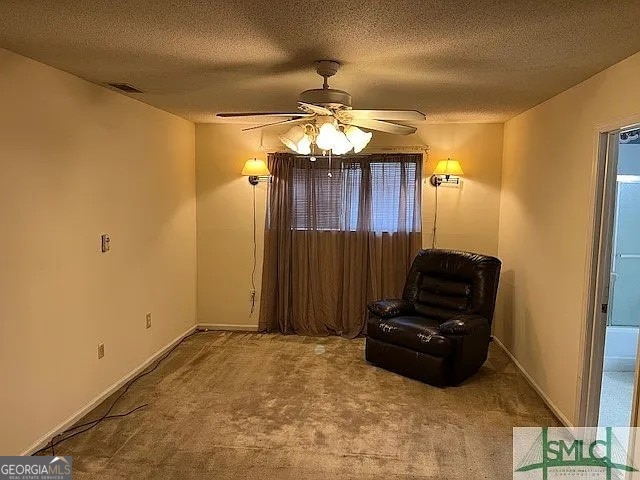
250,406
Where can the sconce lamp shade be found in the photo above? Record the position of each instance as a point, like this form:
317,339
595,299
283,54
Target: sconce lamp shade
448,167
255,168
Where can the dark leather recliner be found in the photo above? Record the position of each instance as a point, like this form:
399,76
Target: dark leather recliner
439,332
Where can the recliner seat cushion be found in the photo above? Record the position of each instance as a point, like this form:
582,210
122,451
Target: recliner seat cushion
416,333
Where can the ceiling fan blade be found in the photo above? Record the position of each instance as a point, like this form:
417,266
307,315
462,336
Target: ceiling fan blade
281,122
261,117
310,107
262,114
383,126
401,115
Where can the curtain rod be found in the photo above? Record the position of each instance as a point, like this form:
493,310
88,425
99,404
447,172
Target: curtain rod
401,149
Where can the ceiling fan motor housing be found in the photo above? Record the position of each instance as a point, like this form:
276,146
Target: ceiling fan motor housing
327,68
326,97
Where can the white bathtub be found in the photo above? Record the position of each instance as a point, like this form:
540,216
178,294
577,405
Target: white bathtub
620,349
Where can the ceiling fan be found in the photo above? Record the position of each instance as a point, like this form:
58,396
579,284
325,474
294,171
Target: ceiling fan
328,121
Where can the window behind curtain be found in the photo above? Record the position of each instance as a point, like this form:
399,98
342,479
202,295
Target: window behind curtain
337,236
366,193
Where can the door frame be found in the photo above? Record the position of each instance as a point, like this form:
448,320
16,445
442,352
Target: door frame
598,281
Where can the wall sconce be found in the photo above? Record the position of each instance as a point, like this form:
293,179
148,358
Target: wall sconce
256,170
447,171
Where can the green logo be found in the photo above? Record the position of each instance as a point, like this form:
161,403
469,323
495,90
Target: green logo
580,453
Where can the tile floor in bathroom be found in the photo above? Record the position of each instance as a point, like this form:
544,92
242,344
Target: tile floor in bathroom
615,399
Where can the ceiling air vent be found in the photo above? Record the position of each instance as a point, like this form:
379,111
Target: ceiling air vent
125,87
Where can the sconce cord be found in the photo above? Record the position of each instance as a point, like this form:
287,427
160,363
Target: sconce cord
253,271
435,220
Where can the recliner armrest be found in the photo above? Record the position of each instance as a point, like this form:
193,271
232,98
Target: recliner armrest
463,325
391,308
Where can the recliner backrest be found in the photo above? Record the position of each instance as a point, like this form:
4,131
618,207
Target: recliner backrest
446,283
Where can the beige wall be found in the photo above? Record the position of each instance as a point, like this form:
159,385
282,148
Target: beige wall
468,217
78,160
225,225
546,224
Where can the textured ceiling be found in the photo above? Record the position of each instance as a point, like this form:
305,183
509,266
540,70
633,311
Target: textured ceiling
477,60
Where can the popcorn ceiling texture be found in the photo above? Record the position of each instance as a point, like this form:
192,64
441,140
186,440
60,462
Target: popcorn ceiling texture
480,61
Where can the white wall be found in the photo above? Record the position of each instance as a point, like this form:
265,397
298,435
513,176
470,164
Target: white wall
468,217
79,160
546,220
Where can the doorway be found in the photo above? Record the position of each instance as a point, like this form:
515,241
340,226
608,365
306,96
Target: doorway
614,356
623,316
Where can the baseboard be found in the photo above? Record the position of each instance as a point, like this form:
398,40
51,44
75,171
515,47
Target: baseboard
556,411
228,327
619,364
69,422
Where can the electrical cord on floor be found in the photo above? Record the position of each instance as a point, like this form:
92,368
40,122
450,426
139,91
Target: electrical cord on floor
56,440
89,426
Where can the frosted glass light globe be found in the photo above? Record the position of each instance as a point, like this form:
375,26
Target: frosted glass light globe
326,137
358,138
293,137
304,145
341,144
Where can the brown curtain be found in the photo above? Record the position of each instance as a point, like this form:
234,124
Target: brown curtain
339,234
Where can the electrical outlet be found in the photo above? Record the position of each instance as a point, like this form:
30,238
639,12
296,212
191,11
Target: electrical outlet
105,242
100,350
149,320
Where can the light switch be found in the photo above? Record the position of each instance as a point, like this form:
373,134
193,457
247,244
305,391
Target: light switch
105,241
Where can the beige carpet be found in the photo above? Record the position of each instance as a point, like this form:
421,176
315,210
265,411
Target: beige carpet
250,406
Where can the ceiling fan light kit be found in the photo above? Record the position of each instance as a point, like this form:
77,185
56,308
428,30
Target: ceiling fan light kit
330,124
330,136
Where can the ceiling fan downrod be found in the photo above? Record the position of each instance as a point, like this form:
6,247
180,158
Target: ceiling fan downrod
326,69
